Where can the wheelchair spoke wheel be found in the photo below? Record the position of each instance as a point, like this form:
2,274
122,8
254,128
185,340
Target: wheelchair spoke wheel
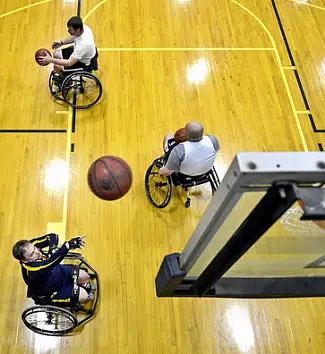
53,83
49,320
158,188
81,90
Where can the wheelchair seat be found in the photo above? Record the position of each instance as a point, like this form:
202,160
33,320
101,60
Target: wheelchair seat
159,188
93,66
46,300
190,181
39,299
94,62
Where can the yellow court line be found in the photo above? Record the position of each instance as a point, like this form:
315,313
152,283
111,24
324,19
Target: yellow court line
67,160
24,8
61,227
181,49
62,112
311,5
284,78
94,9
289,67
303,112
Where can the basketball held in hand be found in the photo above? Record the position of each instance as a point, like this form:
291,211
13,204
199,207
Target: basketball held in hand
181,136
109,177
41,53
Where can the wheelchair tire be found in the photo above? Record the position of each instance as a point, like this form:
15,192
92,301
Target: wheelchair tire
51,83
158,188
81,90
49,320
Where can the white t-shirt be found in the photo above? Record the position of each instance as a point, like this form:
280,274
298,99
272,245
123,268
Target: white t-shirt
194,158
84,46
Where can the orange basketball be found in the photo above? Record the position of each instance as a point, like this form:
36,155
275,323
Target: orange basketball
109,178
41,53
181,136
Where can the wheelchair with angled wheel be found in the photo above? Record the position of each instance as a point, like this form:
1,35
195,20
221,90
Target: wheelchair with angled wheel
77,87
61,318
159,188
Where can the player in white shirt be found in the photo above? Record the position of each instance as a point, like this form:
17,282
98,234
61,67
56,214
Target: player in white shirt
78,55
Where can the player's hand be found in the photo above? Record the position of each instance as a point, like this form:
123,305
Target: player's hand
77,242
56,44
54,250
45,60
82,241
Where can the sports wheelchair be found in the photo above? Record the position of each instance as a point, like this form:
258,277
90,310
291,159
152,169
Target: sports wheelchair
62,318
77,87
159,188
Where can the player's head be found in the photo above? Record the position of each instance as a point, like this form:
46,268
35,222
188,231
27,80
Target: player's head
24,251
75,26
194,130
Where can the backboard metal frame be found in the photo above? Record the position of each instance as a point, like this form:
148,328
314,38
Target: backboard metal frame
286,177
253,171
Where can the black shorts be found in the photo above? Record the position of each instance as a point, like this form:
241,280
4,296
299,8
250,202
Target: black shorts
66,53
64,294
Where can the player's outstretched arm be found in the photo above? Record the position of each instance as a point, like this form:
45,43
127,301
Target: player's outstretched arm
48,240
58,43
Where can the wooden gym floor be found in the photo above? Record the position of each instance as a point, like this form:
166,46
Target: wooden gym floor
253,72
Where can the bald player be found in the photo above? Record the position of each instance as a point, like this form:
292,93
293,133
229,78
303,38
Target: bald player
194,157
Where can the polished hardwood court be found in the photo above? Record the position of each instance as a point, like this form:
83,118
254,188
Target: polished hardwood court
162,63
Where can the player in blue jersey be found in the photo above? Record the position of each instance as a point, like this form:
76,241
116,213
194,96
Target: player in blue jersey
43,273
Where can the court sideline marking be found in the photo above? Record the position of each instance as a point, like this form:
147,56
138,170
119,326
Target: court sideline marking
60,227
292,61
67,159
175,49
320,146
